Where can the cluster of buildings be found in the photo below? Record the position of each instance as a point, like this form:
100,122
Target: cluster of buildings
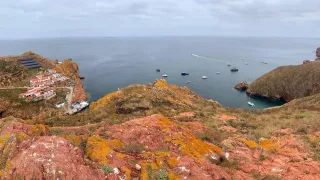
49,78
42,86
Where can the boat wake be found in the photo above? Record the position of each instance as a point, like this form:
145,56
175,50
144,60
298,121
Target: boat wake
202,57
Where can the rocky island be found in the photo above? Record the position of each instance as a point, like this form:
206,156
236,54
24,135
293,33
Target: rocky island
159,131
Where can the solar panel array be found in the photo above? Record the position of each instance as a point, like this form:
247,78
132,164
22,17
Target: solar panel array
30,63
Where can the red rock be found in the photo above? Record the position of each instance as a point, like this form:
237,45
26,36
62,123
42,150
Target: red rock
225,117
51,158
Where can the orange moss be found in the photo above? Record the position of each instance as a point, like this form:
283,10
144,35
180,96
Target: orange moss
251,144
144,169
172,162
171,100
194,147
172,176
162,154
268,144
161,83
127,172
39,130
75,140
165,122
115,143
101,102
98,149
159,162
120,155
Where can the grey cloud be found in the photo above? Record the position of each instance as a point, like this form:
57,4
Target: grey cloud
153,17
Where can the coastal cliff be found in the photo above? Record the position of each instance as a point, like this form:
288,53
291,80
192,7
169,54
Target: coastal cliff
318,53
159,131
288,82
71,69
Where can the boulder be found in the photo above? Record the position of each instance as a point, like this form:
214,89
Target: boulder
318,52
52,158
243,86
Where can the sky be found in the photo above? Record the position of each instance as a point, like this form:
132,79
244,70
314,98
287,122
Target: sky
117,18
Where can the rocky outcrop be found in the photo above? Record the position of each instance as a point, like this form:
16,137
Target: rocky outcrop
51,158
288,82
243,86
318,52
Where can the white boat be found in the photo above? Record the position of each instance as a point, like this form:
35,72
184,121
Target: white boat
250,103
188,82
204,77
228,64
164,75
245,63
218,72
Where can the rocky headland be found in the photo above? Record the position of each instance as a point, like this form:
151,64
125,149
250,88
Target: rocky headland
289,82
162,131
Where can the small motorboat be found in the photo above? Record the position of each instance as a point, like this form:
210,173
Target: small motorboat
82,77
188,82
184,74
204,77
164,75
158,70
218,72
250,103
245,63
228,64
234,69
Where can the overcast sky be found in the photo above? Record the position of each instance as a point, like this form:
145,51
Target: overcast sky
61,18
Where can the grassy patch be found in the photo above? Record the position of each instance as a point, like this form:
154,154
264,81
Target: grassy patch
256,175
55,131
271,177
133,148
161,175
303,116
262,157
230,164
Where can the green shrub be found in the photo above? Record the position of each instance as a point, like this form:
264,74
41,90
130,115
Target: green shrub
162,175
107,169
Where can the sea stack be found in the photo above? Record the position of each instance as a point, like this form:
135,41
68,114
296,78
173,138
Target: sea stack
318,53
243,86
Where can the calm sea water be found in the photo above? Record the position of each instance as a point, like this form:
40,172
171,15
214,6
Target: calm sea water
109,63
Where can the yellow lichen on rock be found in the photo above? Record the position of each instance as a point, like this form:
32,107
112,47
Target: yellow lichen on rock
172,162
249,143
98,149
162,83
165,122
116,143
268,144
75,140
101,102
172,176
39,130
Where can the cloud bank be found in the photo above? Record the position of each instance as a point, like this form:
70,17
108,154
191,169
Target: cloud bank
61,18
